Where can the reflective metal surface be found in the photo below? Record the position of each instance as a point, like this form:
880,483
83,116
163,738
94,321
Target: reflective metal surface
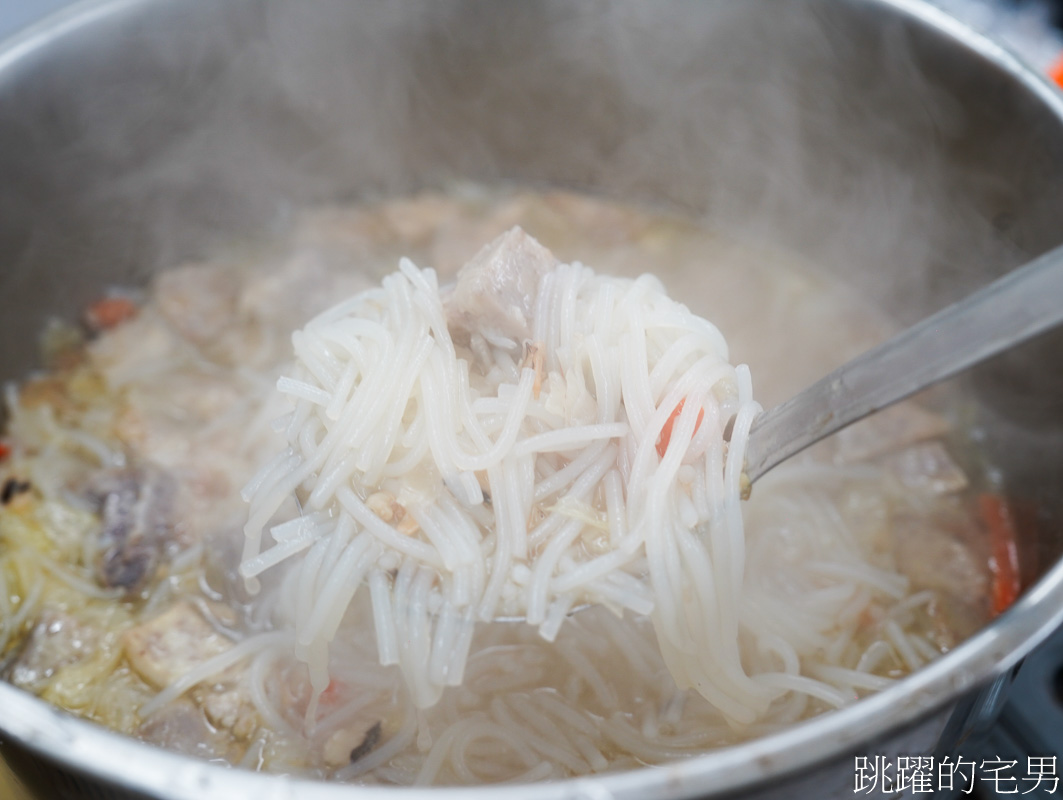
997,317
877,138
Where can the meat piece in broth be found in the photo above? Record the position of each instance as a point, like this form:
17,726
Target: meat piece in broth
58,640
182,727
927,467
495,293
174,643
166,647
937,554
198,300
889,430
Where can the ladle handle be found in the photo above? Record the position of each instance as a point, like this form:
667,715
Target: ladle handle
1025,302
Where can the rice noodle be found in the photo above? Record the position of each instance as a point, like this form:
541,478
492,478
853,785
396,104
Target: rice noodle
626,431
383,363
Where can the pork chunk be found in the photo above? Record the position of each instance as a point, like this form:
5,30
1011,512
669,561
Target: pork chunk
495,292
57,641
198,300
166,647
230,709
935,557
183,728
179,640
927,467
887,431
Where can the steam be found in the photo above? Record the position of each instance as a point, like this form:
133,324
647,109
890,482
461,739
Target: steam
844,132
830,130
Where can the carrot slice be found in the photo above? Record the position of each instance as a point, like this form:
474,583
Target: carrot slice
5,450
666,431
108,312
1055,72
1004,551
334,692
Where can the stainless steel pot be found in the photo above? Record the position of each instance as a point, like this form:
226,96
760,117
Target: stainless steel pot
878,138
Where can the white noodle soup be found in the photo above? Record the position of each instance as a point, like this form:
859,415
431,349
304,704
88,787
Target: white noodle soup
266,510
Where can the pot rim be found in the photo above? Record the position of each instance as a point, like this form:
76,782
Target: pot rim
118,759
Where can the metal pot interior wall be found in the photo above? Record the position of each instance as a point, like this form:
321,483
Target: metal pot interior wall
139,134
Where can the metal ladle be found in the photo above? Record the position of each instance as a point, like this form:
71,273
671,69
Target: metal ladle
1025,302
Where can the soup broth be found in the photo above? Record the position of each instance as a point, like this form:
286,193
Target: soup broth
122,519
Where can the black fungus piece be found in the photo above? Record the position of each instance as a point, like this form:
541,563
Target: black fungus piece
372,738
12,488
136,509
